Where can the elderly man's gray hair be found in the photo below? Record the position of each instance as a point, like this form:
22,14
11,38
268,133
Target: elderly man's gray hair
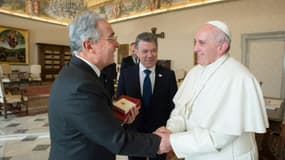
84,27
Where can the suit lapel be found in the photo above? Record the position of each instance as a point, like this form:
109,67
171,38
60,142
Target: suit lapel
131,61
136,80
158,77
82,65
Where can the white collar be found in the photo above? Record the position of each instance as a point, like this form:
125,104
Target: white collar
93,66
217,62
142,68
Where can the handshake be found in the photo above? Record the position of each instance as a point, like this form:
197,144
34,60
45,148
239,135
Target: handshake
164,134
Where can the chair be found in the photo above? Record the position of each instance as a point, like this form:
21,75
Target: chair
9,78
35,73
12,104
24,77
5,70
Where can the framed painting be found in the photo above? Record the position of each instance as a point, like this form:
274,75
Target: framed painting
14,45
123,51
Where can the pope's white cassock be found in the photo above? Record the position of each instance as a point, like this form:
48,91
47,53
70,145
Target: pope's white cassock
218,109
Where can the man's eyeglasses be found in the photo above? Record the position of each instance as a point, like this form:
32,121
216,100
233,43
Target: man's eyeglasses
114,38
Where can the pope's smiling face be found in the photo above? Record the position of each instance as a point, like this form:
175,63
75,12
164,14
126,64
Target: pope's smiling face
207,47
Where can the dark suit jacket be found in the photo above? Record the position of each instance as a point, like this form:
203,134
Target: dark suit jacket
82,123
161,104
110,76
127,62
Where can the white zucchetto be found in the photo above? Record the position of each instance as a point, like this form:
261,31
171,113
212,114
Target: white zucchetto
221,26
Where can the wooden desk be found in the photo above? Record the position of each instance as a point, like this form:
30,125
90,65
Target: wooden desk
274,108
37,98
36,91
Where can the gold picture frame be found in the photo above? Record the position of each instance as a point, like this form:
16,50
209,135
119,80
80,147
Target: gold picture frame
14,45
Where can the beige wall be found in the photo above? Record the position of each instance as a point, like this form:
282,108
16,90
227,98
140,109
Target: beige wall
242,16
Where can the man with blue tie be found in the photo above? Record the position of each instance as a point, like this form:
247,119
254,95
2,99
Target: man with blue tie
153,84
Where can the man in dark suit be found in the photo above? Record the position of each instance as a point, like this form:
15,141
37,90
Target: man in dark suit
163,88
110,76
130,60
81,120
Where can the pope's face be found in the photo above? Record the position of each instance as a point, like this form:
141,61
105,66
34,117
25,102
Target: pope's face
206,46
147,53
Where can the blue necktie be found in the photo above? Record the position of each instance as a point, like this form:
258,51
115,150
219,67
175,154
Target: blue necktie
147,91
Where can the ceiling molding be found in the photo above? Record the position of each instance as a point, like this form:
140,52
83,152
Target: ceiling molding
97,3
123,15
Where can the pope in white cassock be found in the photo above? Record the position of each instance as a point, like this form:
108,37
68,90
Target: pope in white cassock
219,106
